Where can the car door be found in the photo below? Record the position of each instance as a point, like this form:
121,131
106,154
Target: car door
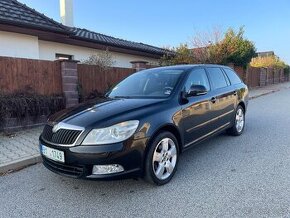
222,97
196,111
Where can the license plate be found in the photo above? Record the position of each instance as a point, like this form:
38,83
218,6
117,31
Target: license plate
52,153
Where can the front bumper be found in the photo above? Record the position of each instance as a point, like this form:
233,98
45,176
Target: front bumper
79,160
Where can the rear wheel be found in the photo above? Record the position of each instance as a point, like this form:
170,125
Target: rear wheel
162,159
239,122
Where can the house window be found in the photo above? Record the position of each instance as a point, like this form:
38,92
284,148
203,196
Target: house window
63,57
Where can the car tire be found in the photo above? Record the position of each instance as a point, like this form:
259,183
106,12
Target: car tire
238,123
162,159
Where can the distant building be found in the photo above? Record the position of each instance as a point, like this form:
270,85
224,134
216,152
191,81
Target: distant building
265,53
26,33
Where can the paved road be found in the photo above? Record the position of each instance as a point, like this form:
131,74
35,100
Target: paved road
246,176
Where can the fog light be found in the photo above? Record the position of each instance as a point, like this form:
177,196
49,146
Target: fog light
107,169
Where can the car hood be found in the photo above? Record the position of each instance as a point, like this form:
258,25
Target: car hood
104,112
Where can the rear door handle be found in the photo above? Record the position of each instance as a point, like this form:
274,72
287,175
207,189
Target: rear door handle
213,99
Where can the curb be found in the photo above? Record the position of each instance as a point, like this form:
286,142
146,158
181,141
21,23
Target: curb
19,164
266,93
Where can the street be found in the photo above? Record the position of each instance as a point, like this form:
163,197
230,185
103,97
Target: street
246,176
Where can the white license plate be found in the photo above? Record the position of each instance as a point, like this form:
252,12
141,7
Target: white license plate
52,153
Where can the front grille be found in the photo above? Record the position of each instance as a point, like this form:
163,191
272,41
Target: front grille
68,170
62,136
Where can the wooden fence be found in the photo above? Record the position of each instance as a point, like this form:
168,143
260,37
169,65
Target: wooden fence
42,77
92,78
46,77
255,77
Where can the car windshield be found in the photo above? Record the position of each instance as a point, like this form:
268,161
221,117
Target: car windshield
153,83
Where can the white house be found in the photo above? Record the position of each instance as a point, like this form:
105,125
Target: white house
26,33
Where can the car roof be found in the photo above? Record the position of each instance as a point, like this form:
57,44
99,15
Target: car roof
190,66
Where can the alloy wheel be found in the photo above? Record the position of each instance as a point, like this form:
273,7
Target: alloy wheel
164,158
240,120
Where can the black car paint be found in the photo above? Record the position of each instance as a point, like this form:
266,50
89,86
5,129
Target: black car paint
191,120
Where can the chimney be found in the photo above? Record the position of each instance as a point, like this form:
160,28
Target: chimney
66,12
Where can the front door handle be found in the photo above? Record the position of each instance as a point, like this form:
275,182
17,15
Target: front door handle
213,100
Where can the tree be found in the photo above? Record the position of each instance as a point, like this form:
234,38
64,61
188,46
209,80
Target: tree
103,59
204,48
215,47
239,50
183,55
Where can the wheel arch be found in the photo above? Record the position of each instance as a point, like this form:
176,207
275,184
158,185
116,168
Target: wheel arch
169,128
243,105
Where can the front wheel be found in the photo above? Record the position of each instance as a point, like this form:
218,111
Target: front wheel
162,158
239,122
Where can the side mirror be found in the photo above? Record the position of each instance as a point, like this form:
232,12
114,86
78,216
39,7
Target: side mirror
196,90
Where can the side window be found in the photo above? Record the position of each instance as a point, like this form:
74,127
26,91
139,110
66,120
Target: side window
234,78
197,77
217,77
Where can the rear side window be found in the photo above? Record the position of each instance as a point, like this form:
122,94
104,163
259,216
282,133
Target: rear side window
233,77
217,77
197,77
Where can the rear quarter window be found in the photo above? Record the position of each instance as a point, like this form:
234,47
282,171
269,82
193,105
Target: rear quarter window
233,77
217,77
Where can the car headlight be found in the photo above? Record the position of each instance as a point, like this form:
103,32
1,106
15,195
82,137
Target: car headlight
113,134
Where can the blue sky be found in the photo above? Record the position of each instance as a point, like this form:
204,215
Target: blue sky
171,22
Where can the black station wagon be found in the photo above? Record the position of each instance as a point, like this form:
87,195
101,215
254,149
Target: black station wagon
141,126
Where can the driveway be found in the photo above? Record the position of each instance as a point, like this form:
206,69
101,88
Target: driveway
246,176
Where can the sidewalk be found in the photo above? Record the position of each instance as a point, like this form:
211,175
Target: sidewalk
260,91
21,149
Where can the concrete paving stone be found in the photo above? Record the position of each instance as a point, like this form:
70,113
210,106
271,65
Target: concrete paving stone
5,160
10,153
19,152
22,145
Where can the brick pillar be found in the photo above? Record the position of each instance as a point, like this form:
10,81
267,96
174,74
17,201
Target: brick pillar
139,65
69,76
